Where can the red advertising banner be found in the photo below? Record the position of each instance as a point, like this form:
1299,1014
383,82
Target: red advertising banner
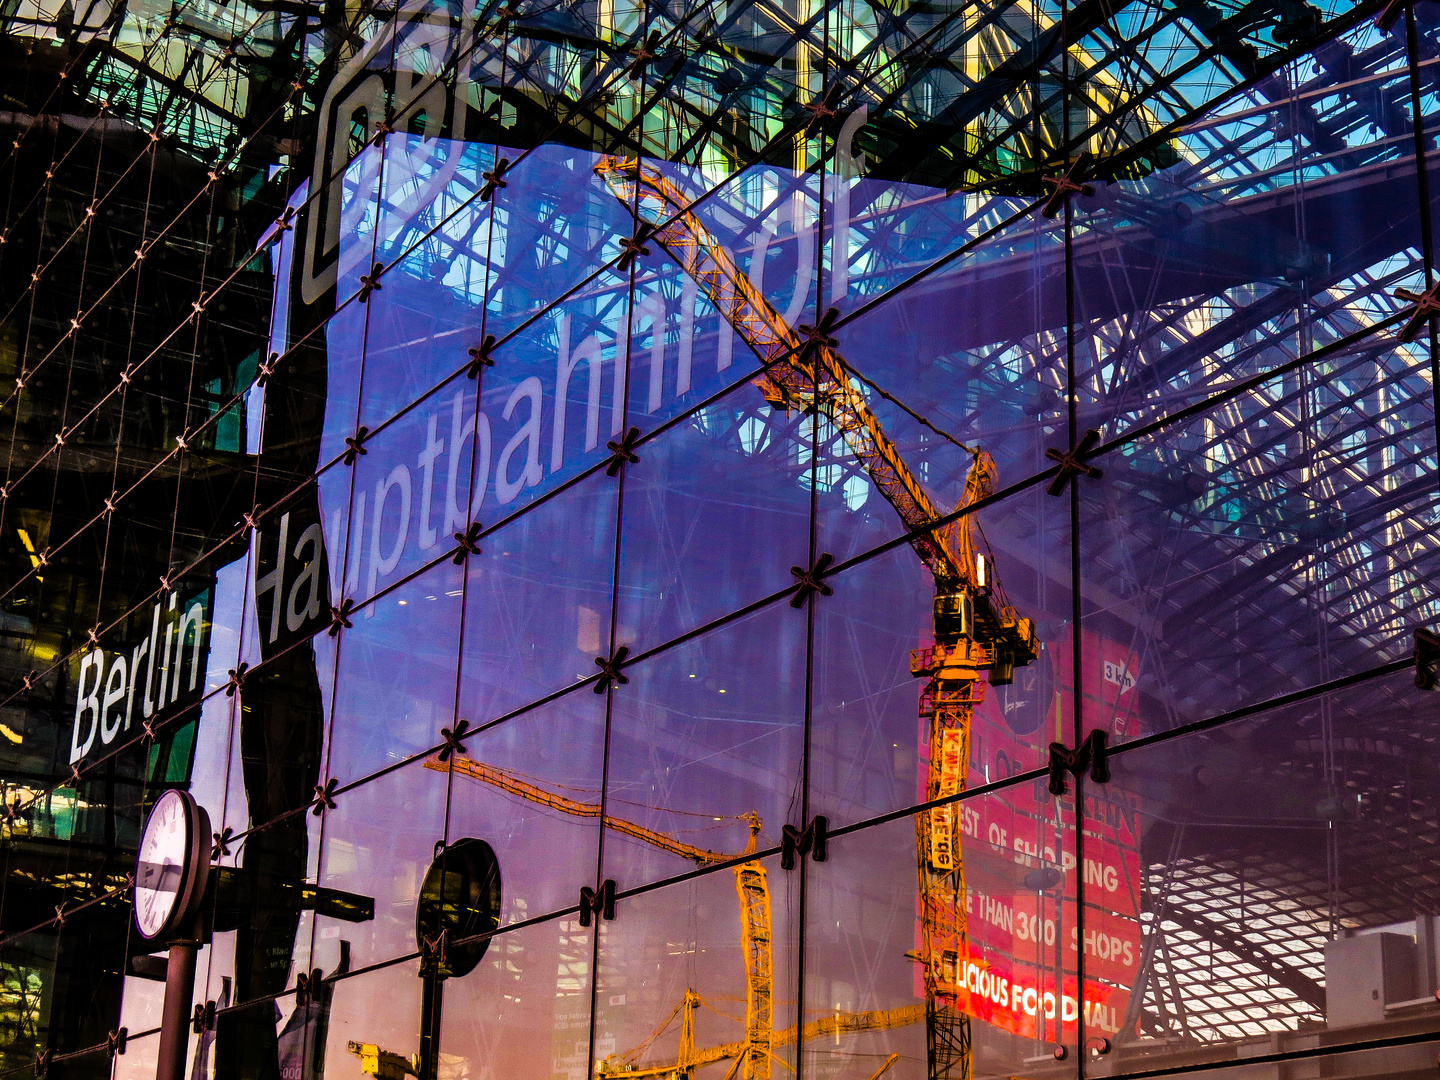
1021,1003
1024,866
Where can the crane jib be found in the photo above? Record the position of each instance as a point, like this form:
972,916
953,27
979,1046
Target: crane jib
802,375
788,381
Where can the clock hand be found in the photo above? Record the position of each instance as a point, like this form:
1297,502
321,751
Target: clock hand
154,876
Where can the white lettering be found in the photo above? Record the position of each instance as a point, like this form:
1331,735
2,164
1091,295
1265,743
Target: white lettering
193,623
482,465
848,165
805,259
455,520
1119,675
381,565
274,581
529,436
147,706
165,659
433,448
140,650
354,545
86,703
652,307
565,365
295,614
689,292
109,698
1103,874
115,683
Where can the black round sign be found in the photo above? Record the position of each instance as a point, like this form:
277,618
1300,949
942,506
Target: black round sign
461,895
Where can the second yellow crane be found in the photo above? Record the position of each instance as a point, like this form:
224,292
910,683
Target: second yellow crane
752,1055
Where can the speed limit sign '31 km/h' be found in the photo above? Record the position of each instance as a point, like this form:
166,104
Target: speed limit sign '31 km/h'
171,870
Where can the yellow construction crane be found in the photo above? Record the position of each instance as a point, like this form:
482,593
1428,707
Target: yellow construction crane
689,1058
975,628
751,888
753,1054
515,785
383,1064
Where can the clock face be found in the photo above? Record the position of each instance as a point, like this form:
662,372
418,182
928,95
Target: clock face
161,866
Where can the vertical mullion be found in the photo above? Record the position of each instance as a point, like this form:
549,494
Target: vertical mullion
1076,612
1422,178
609,645
812,542
475,441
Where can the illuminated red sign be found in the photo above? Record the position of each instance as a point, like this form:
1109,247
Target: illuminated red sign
1024,866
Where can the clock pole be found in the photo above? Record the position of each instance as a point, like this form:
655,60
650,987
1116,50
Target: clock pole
172,868
175,1018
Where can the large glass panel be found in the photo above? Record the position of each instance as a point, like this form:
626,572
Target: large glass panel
541,420
410,489
356,1023
958,957
377,843
1266,543
701,971
538,602
705,744
524,1011
28,962
865,997
556,229
139,1060
396,674
717,511
684,346
254,909
968,361
529,788
1282,885
535,408
1243,586
884,688
435,242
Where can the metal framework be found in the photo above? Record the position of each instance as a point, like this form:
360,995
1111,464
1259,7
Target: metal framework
1303,551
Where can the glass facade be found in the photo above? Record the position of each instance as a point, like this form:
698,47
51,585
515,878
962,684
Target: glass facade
724,539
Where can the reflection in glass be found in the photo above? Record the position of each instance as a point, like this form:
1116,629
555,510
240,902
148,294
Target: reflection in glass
525,1010
1265,874
250,261
701,972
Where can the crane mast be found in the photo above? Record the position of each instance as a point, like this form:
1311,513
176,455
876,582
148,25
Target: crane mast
975,627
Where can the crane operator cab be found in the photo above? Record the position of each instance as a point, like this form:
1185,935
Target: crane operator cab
974,633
